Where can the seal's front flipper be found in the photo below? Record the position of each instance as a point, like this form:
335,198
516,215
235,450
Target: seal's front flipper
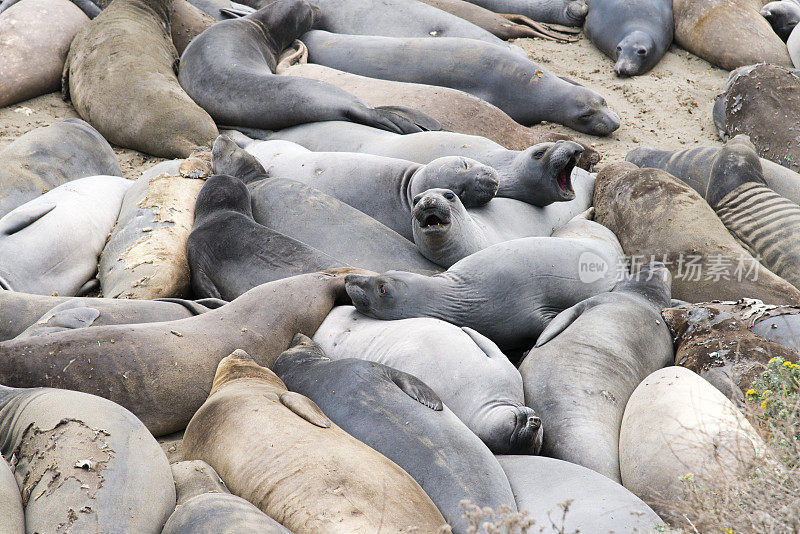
24,216
202,285
305,408
232,13
416,389
561,321
91,285
485,344
67,316
423,120
718,114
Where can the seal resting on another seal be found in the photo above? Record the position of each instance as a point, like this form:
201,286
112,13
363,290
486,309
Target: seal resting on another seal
588,361
634,34
162,371
727,33
402,418
51,244
48,157
120,76
510,81
507,292
279,451
466,369
654,214
229,70
36,35
84,462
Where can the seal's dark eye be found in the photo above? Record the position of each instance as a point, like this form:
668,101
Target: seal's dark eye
415,201
382,289
641,51
619,49
449,196
539,154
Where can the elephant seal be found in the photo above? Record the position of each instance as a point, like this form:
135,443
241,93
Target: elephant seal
51,244
693,166
145,257
760,101
596,504
229,70
316,219
279,451
565,12
229,253
636,35
380,187
445,232
718,346
457,111
83,463
186,23
468,372
162,371
36,35
205,506
20,311
48,157
727,33
126,86
655,215
677,423
519,87
508,292
613,342
11,509
783,16
763,221
402,418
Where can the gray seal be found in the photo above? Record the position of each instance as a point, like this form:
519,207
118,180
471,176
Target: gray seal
565,12
47,157
507,292
525,175
510,81
229,70
51,243
613,341
468,371
783,16
230,253
319,220
596,503
83,462
445,231
401,417
381,187
10,501
634,34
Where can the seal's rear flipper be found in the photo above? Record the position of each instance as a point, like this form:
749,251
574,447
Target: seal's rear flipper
66,316
23,217
305,408
197,306
416,389
719,117
423,120
488,346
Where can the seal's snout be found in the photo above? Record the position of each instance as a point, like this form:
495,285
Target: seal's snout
355,286
431,212
527,436
564,158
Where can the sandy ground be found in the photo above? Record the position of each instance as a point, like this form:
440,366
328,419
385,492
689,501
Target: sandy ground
669,107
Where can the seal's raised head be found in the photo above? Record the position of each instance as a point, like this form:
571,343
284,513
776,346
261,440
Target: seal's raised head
287,20
383,296
222,192
473,182
736,163
635,54
228,158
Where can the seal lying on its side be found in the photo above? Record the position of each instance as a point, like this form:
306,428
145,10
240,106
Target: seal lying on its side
635,34
85,462
467,370
120,74
566,12
507,292
317,219
162,371
51,244
494,73
402,418
279,451
48,157
36,35
783,16
11,509
229,253
205,506
588,361
229,70
654,214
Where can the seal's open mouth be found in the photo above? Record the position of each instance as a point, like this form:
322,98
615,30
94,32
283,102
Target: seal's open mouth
433,220
564,178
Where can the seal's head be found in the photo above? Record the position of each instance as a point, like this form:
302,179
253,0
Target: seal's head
222,192
443,230
588,112
228,158
736,163
782,16
556,162
635,54
386,296
473,182
286,20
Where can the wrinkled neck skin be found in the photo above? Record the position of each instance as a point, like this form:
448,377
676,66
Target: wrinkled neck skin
654,291
161,8
464,237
